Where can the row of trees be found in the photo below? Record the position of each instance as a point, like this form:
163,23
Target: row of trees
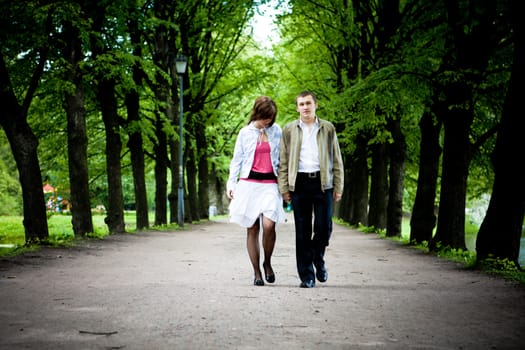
441,70
67,66
422,93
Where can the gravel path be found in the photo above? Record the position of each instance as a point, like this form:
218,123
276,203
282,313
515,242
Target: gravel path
193,289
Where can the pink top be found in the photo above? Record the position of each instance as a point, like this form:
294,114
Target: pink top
262,163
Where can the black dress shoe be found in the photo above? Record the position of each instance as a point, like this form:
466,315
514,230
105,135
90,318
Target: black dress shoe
307,284
258,282
321,274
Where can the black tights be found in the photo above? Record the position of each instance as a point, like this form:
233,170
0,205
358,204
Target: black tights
268,243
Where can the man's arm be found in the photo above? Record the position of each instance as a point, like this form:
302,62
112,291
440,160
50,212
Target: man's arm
282,177
338,169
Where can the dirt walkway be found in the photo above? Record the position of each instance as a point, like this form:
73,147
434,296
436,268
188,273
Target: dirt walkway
193,289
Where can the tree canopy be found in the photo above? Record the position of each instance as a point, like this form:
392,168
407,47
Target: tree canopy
417,91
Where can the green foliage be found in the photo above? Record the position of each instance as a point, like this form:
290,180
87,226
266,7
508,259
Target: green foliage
10,191
12,239
494,266
465,257
60,230
502,267
320,44
12,230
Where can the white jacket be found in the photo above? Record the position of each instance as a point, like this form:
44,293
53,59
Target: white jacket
244,152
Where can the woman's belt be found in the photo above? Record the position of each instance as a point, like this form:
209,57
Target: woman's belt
254,175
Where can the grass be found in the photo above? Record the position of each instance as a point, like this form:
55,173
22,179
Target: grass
12,239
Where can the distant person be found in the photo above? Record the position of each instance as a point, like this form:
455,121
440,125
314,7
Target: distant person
252,184
311,176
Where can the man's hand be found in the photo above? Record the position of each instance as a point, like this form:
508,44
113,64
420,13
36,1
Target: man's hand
287,197
337,196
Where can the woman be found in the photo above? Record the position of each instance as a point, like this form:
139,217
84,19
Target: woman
252,184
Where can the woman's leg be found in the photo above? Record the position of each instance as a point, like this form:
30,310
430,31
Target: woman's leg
268,245
252,243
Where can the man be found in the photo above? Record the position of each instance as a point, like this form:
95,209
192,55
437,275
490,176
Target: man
311,176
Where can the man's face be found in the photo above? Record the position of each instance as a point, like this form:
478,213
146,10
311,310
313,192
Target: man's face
306,107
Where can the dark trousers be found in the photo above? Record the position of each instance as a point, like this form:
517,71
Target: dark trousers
307,199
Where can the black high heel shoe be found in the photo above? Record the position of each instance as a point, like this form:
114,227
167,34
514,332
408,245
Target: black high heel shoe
270,278
258,282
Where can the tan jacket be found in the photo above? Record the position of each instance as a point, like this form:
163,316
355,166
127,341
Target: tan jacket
332,171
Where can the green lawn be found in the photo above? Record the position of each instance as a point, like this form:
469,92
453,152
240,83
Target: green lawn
60,230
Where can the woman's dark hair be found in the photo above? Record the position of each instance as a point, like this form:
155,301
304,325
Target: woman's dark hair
263,108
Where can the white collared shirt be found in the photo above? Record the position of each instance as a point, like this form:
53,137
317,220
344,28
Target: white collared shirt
309,155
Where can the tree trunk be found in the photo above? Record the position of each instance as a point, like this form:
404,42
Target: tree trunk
135,141
423,218
78,164
500,233
161,172
377,213
203,174
174,163
359,181
164,39
108,106
451,218
77,139
135,145
219,190
397,175
192,213
343,209
468,58
24,143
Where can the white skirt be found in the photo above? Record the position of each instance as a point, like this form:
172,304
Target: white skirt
253,199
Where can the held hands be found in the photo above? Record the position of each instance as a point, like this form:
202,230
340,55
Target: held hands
288,198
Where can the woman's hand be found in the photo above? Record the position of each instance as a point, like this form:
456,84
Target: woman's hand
229,194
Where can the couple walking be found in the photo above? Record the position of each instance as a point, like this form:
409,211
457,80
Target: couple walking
300,164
